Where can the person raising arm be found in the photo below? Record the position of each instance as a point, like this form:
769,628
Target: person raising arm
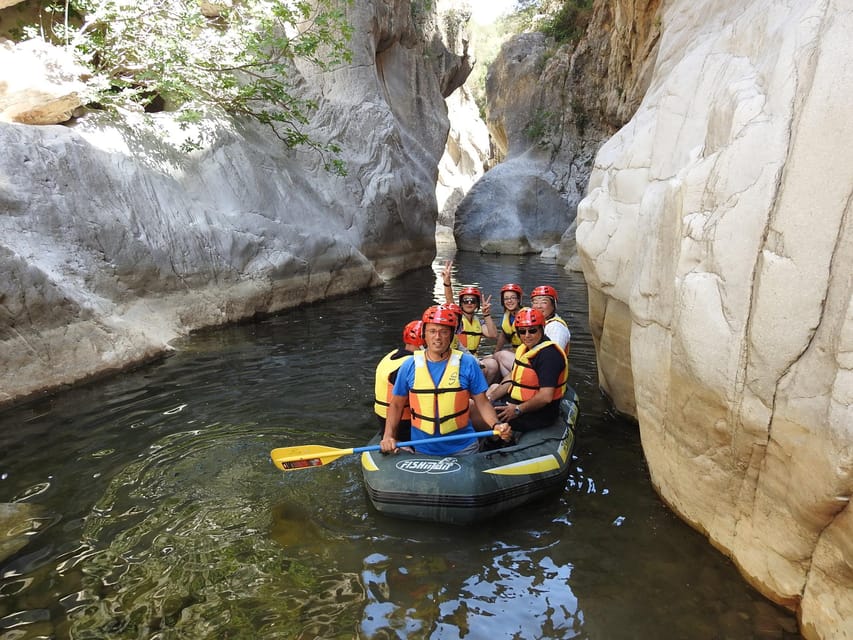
470,301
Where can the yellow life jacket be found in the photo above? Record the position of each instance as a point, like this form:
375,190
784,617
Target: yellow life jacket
525,382
443,408
509,329
471,334
383,387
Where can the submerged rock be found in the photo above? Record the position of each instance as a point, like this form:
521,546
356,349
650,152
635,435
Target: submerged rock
18,522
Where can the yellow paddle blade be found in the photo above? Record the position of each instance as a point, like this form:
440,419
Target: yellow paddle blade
305,456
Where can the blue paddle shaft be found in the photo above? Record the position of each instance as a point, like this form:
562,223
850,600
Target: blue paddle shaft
457,436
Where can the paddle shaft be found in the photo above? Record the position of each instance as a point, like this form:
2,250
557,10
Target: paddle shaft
409,443
303,457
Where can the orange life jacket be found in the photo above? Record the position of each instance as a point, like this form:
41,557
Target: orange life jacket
471,334
525,381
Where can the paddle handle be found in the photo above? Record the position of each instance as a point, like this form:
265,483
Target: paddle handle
409,443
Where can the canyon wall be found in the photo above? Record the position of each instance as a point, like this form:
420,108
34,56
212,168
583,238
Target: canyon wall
716,239
113,240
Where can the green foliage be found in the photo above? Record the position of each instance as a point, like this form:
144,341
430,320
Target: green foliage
580,114
569,23
540,124
240,57
486,42
421,11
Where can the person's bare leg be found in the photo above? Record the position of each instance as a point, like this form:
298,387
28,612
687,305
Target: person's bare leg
505,360
491,369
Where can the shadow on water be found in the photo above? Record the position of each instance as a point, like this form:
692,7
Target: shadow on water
163,517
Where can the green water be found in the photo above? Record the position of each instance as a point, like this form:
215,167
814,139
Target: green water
162,516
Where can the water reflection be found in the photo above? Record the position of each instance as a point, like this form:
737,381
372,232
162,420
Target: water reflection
163,517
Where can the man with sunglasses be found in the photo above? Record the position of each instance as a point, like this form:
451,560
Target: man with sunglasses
538,378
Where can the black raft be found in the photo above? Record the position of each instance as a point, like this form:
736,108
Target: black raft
466,489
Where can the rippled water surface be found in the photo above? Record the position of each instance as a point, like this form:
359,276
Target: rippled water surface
161,515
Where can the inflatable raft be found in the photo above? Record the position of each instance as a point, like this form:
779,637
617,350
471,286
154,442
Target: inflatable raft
466,489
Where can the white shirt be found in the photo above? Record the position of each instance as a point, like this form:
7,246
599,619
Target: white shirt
558,332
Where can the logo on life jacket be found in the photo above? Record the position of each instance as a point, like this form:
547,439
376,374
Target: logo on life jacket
427,465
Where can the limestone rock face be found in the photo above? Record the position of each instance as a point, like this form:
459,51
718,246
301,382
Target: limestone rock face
465,155
113,241
717,243
549,109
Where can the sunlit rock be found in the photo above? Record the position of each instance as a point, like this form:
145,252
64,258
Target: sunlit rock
113,240
718,230
465,155
39,83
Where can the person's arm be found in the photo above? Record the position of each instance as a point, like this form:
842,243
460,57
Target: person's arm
487,411
490,329
448,284
392,421
558,333
498,390
539,400
548,365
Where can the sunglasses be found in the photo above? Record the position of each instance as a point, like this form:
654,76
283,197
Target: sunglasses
469,300
523,332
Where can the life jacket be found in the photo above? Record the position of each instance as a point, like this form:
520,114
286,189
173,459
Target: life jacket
508,327
443,408
525,382
471,334
556,318
382,386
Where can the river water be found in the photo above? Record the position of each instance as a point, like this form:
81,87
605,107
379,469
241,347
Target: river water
162,516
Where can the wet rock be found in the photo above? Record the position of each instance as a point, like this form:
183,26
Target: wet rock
18,522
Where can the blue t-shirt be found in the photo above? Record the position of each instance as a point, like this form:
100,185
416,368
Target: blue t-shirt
470,377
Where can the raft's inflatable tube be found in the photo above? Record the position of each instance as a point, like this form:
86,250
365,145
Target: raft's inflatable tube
466,489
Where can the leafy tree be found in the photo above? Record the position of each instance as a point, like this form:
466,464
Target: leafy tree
192,56
570,21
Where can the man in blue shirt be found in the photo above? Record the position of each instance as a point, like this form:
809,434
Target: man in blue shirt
440,383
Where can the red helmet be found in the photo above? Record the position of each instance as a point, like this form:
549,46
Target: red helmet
511,287
545,290
440,314
455,308
528,317
470,291
413,333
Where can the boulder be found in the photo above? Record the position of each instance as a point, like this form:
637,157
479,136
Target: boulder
512,209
